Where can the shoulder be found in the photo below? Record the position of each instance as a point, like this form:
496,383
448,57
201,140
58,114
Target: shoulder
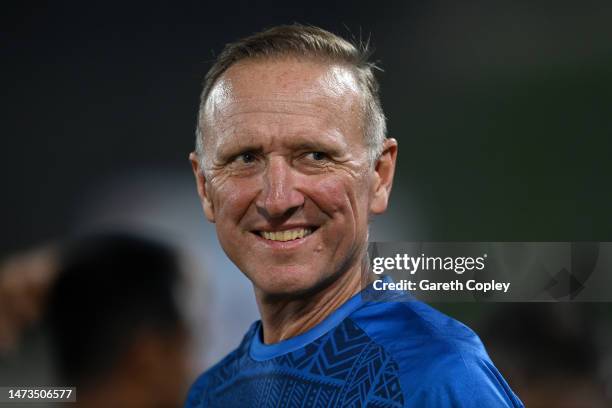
219,372
441,361
397,324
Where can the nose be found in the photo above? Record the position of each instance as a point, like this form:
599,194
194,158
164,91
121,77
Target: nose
279,196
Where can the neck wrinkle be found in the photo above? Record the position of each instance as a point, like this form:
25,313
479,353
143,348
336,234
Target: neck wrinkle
285,319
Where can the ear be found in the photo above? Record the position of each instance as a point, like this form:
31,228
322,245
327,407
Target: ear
384,170
198,172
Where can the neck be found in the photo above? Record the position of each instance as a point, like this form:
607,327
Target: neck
283,318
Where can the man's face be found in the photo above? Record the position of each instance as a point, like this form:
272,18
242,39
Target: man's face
287,179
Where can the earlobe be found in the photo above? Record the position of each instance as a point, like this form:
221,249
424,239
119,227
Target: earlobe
384,171
198,173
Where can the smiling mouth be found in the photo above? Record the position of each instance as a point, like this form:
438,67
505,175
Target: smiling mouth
287,235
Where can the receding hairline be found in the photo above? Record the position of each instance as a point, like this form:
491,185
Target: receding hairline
291,39
315,59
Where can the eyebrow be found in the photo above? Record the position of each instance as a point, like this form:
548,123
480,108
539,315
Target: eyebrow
247,141
299,146
230,152
314,146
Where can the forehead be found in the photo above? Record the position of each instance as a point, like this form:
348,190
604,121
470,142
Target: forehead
284,92
288,74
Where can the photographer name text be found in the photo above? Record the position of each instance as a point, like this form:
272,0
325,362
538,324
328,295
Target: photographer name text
452,286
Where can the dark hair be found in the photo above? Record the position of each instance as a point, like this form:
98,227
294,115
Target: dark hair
109,288
310,42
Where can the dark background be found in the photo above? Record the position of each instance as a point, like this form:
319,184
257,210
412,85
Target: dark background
502,110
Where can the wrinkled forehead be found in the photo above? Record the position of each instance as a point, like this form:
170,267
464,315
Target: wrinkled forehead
288,79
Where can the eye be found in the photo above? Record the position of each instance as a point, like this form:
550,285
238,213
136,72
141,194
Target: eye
317,156
246,157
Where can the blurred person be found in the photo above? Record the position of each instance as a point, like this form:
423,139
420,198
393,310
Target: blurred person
24,282
116,331
170,213
292,161
560,362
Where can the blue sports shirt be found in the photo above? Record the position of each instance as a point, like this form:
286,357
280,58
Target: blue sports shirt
365,354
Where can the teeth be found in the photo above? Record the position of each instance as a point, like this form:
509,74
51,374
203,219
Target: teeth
287,235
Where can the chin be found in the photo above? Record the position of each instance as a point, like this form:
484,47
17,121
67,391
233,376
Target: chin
287,283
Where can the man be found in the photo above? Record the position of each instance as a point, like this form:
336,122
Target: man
291,162
116,330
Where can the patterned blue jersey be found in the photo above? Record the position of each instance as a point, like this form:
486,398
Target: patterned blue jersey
366,354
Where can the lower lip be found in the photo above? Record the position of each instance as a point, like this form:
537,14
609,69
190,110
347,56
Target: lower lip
283,245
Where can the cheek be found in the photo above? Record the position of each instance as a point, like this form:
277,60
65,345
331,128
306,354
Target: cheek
232,199
339,197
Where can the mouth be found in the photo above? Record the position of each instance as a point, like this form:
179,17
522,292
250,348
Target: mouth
286,235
